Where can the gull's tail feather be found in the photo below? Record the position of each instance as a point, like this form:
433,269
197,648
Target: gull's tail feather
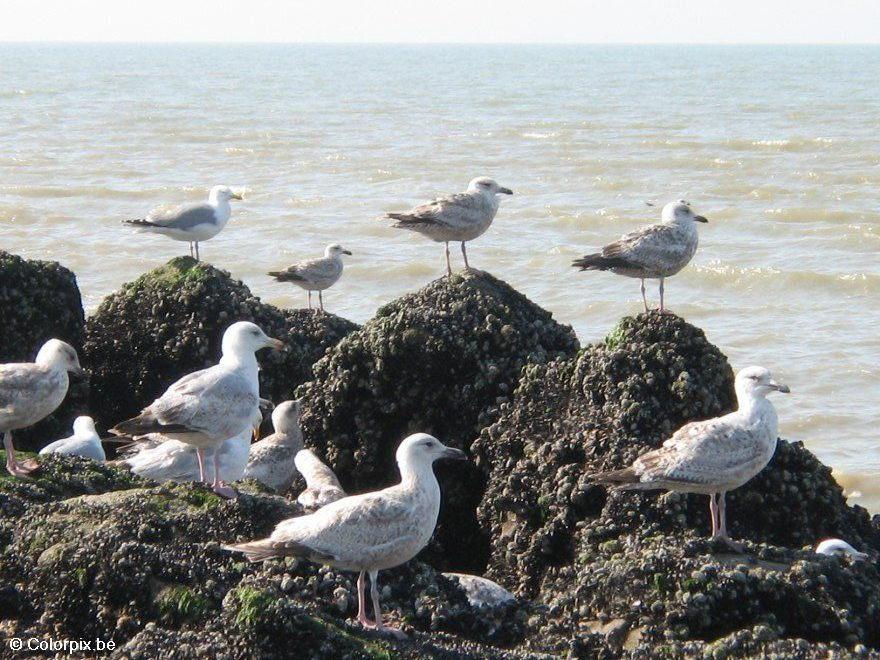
597,262
140,222
620,478
144,424
285,275
255,551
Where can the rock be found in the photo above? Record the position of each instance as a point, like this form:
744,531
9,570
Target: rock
170,322
480,591
438,361
590,555
40,300
143,567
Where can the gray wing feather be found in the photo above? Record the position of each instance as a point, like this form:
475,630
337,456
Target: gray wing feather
184,217
651,247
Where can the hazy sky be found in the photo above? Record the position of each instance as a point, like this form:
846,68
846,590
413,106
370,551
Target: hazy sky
585,21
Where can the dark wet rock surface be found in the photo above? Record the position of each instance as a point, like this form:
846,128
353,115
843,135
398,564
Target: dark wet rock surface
438,361
170,322
40,300
87,550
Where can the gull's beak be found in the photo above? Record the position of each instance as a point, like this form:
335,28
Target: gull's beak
237,196
455,454
505,191
275,344
265,404
779,387
348,252
256,434
700,218
78,371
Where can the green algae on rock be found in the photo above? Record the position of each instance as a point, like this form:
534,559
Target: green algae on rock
170,321
437,361
40,300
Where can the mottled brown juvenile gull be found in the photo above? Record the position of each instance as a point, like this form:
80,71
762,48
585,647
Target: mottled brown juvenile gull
208,407
322,486
370,532
84,442
315,274
655,251
271,460
191,222
29,391
712,456
459,217
839,548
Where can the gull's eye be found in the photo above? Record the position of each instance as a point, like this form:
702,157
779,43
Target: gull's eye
429,444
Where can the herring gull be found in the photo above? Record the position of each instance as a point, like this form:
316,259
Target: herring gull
655,251
191,222
459,217
207,407
713,456
29,391
162,459
322,486
271,460
370,532
839,548
84,442
315,274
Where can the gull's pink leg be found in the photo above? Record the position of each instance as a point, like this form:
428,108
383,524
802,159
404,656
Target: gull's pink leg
310,299
219,487
722,525
713,511
15,468
200,454
362,603
464,254
644,297
448,263
377,612
321,299
662,308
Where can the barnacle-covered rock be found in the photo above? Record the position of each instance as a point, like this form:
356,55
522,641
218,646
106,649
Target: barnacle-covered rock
563,541
170,322
144,567
437,361
40,300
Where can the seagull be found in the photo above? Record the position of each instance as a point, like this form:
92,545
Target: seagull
370,532
207,407
191,222
322,486
271,460
654,251
29,391
459,217
315,274
839,548
161,459
712,456
84,442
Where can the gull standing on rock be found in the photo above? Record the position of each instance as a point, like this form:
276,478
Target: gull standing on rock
84,442
208,407
370,532
655,251
459,217
712,456
322,486
839,548
315,274
29,391
271,460
191,222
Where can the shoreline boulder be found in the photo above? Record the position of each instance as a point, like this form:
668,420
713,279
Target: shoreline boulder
170,321
40,300
437,361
